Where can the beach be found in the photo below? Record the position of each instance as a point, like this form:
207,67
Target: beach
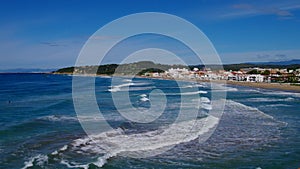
277,86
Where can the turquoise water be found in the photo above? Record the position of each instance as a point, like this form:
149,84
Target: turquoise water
39,128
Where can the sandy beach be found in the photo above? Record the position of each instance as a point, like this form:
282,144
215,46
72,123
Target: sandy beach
278,86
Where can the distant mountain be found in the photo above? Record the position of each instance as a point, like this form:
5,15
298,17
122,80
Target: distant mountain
22,70
289,62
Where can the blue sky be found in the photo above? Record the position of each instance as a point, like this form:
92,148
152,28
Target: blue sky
50,34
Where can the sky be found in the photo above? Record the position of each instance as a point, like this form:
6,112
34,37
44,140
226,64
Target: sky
50,34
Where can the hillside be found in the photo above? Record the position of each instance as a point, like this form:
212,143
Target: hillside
134,68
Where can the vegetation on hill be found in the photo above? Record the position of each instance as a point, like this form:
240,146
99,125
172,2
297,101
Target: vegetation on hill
124,69
148,66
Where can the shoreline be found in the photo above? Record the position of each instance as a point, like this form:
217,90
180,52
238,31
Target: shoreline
262,85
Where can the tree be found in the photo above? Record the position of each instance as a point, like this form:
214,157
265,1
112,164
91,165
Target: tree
266,72
254,71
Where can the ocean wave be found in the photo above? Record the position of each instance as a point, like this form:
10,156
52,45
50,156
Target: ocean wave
38,160
282,93
118,87
75,165
193,93
185,93
264,99
250,112
193,86
62,118
144,99
237,106
242,126
249,90
134,87
115,142
206,106
202,100
276,105
223,88
143,95
127,80
56,118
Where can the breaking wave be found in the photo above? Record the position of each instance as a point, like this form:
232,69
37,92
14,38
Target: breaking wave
56,118
134,87
186,93
281,93
115,142
241,125
270,99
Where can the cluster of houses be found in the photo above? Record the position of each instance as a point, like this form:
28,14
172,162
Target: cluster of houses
258,75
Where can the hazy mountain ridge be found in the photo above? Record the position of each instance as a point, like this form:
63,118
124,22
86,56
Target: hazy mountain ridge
24,70
288,62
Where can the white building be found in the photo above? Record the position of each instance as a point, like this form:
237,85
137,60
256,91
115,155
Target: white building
255,78
178,73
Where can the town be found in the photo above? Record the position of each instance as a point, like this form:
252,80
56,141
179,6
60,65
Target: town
256,74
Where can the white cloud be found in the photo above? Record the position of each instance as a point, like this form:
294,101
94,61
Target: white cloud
260,56
282,9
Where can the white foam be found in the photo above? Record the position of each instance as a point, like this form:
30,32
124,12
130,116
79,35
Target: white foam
237,106
227,89
59,118
65,162
282,93
114,89
206,106
250,90
117,88
143,95
54,152
223,88
138,88
40,161
193,93
276,105
270,99
127,80
64,148
187,93
90,118
56,118
193,86
144,99
105,77
114,142
188,86
202,100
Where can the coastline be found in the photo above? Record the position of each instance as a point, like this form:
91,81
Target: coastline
262,85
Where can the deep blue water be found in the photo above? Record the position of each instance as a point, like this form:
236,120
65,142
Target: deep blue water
39,126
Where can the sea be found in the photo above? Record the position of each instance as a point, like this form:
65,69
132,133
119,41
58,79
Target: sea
40,127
